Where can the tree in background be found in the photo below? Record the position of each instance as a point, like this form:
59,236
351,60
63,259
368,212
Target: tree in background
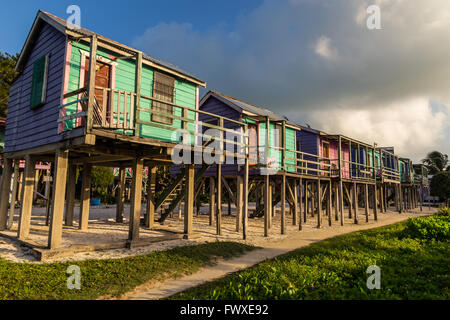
102,179
440,185
7,76
436,162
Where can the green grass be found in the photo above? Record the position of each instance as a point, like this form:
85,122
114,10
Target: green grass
411,268
111,277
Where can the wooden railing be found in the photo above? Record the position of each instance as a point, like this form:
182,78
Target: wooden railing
356,171
390,174
118,111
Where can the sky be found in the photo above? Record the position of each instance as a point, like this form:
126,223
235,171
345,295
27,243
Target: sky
314,61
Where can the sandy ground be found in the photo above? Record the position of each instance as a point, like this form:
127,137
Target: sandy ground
103,229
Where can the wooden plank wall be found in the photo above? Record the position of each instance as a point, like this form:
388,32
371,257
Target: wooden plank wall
28,128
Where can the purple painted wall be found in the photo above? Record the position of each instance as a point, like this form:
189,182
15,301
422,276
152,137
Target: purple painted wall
309,143
26,128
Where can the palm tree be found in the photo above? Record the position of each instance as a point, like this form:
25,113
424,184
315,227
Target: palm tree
436,162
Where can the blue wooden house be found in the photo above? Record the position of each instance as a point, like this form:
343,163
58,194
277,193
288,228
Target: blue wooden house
83,100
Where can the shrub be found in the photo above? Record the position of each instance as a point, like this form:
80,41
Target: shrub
445,211
436,227
440,185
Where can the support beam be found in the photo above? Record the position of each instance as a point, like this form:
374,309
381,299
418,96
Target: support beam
267,204
219,200
329,199
27,200
212,199
319,204
239,200
85,196
120,196
355,203
70,194
59,190
375,209
341,201
283,204
366,201
298,193
150,205
305,207
245,199
189,200
15,186
4,192
136,198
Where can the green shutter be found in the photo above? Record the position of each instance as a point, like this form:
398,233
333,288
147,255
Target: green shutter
39,85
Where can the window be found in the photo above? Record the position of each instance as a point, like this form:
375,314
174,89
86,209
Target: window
163,89
325,150
39,84
278,135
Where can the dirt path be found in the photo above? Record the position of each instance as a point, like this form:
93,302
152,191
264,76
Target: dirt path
270,249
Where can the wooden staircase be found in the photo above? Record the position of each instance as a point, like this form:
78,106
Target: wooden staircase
173,195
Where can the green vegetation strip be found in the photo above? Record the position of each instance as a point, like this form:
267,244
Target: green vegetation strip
413,256
111,277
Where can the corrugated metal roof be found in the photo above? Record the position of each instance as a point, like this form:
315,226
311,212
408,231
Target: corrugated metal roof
249,107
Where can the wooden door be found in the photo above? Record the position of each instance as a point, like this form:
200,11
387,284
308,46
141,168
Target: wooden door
102,79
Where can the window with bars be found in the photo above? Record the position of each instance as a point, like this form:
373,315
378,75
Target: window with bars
39,82
163,89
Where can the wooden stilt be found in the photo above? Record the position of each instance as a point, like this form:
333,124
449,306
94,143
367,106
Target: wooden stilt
306,203
27,201
120,196
341,201
4,192
298,204
350,201
271,207
12,207
150,205
189,200
239,200
267,205
336,201
319,204
59,190
375,209
70,195
329,202
219,200
283,204
382,208
366,201
245,200
212,200
136,199
313,198
399,187
85,196
355,202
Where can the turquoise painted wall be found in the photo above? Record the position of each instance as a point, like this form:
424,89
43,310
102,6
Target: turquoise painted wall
185,92
274,153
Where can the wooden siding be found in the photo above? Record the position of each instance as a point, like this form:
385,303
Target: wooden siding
124,79
309,143
28,128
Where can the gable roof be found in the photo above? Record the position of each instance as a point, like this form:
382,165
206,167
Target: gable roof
61,25
240,106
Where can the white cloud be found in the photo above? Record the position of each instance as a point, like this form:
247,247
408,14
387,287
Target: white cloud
274,57
410,126
324,48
